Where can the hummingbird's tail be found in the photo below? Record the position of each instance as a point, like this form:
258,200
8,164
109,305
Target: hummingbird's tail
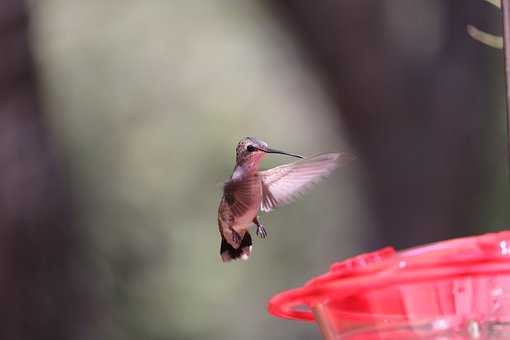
229,253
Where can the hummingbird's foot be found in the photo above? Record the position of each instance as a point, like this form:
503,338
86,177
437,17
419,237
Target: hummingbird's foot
261,231
236,237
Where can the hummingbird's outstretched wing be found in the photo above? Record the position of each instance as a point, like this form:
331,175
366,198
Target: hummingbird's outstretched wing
283,184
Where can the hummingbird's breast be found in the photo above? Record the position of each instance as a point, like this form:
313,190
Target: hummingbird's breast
240,202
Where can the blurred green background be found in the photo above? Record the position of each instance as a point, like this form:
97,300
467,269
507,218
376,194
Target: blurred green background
146,101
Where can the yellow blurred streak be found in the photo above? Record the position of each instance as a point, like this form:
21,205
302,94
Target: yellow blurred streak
485,38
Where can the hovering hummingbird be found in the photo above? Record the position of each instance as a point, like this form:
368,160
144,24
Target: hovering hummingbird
250,190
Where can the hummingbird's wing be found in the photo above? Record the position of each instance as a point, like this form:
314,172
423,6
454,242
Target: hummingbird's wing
242,195
283,184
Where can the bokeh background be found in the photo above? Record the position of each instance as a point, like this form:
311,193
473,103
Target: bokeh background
119,122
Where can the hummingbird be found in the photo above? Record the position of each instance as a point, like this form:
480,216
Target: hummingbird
249,191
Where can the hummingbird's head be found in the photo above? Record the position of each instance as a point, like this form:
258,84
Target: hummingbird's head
250,151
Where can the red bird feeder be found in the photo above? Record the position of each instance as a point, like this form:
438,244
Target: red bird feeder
456,289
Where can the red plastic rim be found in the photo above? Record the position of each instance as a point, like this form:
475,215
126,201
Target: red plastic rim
486,255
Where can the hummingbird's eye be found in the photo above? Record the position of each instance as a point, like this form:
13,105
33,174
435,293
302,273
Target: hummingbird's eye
250,148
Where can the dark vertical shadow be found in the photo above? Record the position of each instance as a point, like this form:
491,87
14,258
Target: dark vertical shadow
42,291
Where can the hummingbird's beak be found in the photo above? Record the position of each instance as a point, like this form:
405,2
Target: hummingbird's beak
269,150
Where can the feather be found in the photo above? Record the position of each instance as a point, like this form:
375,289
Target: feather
241,195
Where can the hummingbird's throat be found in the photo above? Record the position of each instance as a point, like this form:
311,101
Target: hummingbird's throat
247,166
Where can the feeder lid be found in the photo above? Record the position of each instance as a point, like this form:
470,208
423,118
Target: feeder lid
353,285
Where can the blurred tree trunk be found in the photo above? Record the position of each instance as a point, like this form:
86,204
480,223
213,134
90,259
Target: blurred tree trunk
39,257
410,86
